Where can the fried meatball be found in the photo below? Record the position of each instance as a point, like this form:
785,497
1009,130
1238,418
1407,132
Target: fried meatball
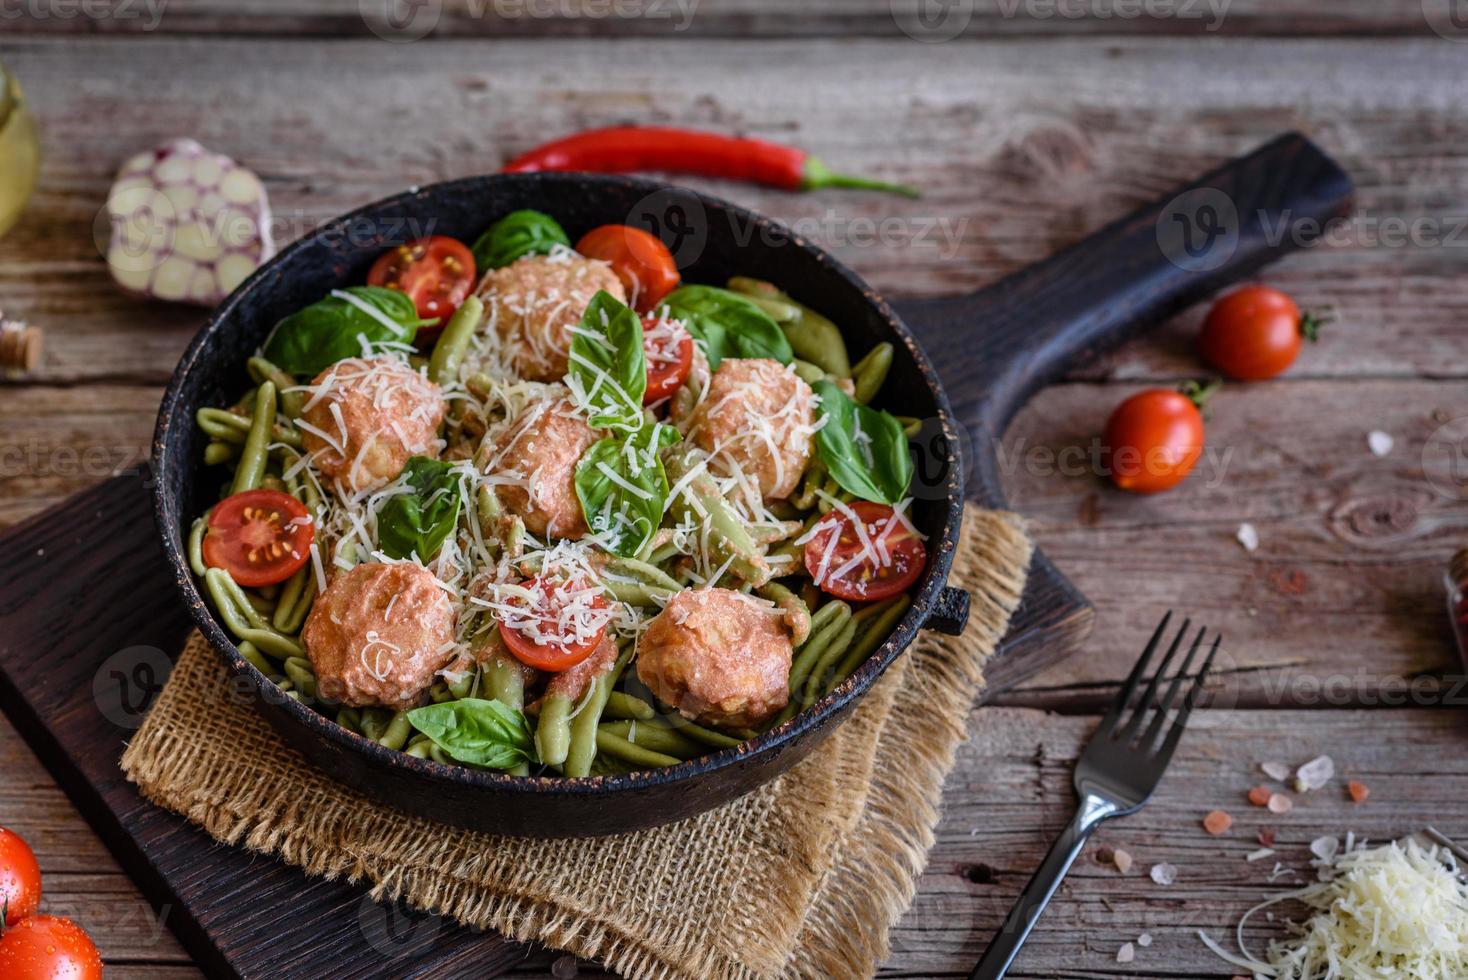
537,455
757,417
718,656
367,416
534,302
378,634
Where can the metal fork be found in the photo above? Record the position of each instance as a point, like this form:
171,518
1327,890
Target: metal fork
1115,777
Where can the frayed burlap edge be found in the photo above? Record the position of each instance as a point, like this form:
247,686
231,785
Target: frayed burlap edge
804,876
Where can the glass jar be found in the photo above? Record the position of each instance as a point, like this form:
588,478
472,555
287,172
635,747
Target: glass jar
20,151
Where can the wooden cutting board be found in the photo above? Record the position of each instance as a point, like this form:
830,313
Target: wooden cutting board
89,619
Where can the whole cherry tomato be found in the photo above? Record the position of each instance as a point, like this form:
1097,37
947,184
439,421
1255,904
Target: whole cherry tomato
640,260
1155,438
20,878
46,947
1255,333
436,272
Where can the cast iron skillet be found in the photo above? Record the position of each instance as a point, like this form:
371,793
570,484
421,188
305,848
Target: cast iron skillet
712,240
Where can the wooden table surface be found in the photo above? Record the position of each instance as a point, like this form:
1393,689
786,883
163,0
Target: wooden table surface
1038,123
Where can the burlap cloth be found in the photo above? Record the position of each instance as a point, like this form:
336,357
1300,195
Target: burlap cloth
803,877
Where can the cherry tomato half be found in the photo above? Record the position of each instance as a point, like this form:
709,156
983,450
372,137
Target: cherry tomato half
640,260
543,652
260,537
437,273
1155,438
20,878
851,569
668,348
47,947
1254,333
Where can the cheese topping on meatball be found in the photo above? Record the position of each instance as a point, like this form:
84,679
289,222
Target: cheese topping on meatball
378,634
533,459
756,420
718,656
365,417
535,301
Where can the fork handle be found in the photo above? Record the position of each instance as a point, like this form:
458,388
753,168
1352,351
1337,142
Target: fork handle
1037,894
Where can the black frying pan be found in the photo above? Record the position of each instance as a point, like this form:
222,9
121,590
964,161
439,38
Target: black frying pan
996,347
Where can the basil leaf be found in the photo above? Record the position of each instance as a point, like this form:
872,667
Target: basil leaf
516,235
418,523
863,449
728,325
623,488
608,370
476,731
310,340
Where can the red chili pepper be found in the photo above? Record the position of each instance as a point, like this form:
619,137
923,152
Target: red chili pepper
622,149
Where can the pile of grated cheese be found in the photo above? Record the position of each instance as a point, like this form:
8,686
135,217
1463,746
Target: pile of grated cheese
1396,912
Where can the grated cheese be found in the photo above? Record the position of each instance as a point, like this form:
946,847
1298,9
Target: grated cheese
1396,912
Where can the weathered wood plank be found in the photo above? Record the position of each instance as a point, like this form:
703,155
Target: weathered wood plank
1009,795
727,18
1023,147
1346,582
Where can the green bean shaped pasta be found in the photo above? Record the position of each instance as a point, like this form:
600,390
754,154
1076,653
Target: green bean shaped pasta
196,545
553,730
620,748
299,670
219,452
835,650
622,705
295,600
870,372
257,660
448,353
292,399
582,749
871,632
253,457
654,737
826,624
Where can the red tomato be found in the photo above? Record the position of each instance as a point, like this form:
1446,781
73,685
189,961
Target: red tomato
437,273
668,348
20,878
46,947
260,537
1255,332
841,564
640,260
1155,438
546,651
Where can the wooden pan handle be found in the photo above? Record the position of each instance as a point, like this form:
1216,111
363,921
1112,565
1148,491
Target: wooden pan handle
994,348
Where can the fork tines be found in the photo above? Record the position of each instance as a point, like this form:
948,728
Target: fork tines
1175,702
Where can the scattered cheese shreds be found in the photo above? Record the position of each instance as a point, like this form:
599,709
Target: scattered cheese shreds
1217,823
1144,940
1164,874
1277,771
1259,795
1248,536
1316,773
1380,442
1325,848
1279,803
1359,791
1126,954
1397,911
1259,855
